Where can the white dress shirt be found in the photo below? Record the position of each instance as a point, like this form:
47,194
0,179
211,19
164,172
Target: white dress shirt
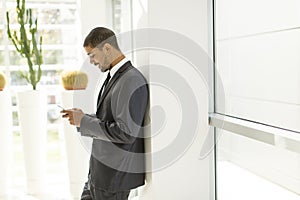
115,68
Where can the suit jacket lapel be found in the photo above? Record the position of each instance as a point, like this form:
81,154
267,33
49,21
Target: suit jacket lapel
112,81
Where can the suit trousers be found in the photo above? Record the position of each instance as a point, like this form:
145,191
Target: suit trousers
91,193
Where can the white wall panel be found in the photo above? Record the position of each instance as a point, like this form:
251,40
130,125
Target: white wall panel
188,177
263,73
244,17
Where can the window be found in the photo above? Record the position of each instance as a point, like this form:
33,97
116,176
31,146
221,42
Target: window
58,24
257,58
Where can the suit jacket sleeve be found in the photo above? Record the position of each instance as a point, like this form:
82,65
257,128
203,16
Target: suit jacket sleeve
128,106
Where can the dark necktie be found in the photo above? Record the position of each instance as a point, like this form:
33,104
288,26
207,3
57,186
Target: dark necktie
102,88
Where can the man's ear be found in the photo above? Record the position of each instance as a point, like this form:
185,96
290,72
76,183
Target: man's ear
107,47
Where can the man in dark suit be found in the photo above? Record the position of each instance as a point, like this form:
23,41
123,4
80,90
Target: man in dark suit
117,160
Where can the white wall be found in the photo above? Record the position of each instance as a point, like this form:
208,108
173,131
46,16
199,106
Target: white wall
93,13
189,177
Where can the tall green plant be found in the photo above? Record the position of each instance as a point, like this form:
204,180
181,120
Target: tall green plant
25,43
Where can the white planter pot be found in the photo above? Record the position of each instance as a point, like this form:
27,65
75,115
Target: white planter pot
77,147
5,142
33,123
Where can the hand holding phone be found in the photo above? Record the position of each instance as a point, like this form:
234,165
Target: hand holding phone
74,115
61,107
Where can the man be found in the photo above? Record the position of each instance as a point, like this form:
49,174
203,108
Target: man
117,160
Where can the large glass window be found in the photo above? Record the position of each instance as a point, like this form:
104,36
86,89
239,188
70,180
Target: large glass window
257,57
257,48
58,24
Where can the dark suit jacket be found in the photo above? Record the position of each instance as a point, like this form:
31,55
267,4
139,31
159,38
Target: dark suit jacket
117,162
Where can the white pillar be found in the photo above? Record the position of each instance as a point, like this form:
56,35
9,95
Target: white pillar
5,142
33,123
188,177
77,147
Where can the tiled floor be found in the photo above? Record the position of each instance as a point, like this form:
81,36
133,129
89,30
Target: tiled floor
56,187
56,178
234,183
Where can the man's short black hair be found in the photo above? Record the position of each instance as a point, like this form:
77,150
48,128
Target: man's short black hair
99,36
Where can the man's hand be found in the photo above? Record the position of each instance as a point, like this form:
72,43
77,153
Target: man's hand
75,115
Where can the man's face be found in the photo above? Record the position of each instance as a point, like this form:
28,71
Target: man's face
97,57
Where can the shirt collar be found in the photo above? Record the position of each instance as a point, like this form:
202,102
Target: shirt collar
115,68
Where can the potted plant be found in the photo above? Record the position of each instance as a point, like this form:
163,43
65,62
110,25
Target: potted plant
32,104
74,80
2,81
5,137
75,95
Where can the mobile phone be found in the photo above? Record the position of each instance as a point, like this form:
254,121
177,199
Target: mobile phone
60,107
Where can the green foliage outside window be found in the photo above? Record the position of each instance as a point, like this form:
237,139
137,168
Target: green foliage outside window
26,43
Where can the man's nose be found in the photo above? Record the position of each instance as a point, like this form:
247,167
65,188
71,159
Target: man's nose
91,60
